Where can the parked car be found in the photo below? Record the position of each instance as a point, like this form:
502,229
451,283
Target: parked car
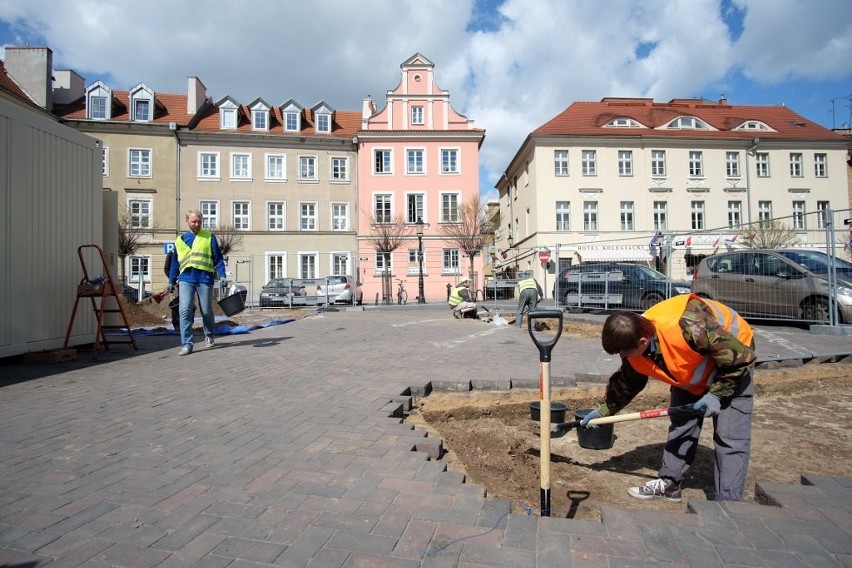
278,293
639,288
340,290
784,283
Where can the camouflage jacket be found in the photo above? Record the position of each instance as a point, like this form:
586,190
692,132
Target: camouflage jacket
704,335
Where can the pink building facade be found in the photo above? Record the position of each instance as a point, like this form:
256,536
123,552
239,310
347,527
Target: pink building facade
418,159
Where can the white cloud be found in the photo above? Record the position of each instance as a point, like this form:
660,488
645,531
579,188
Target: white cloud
536,57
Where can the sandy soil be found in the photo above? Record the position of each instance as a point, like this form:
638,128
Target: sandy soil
799,426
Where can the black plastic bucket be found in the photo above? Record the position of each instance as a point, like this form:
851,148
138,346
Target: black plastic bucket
233,304
557,411
600,438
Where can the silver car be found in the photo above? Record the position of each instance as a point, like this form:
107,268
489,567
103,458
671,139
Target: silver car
782,283
341,289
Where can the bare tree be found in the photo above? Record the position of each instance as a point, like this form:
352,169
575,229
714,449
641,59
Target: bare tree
130,238
473,231
767,235
387,235
230,239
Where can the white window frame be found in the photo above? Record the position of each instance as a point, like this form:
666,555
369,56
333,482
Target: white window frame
696,164
241,220
134,263
386,156
796,164
415,207
228,117
563,215
450,204
268,174
210,212
276,220
98,102
732,164
660,214
339,216
308,168
417,115
658,163
627,215
820,165
341,261
590,216
761,164
146,115
308,264
240,171
308,221
380,267
735,214
260,119
276,264
339,166
415,161
208,165
105,161
292,121
450,161
560,163
450,261
799,216
697,215
625,163
822,213
323,123
589,163
142,160
140,212
383,207
764,213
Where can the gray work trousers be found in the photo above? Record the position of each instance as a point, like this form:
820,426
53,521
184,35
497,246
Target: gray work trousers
731,438
528,297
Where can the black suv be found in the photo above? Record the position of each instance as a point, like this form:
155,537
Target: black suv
616,285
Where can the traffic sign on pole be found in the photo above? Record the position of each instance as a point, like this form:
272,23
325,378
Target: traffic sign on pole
544,256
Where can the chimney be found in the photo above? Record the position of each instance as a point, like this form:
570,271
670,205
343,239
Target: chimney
68,86
723,101
368,109
196,94
32,69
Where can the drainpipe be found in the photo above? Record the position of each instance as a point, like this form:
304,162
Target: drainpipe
173,128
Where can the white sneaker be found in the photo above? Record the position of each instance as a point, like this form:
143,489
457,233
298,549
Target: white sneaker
660,488
185,350
209,343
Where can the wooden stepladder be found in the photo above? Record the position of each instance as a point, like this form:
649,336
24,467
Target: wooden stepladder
98,288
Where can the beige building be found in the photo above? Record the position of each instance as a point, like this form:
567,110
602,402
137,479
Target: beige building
277,181
640,181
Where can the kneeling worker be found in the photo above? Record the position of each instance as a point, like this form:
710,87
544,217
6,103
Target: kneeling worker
705,351
460,301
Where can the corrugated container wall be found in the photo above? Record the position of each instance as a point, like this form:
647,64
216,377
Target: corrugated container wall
50,203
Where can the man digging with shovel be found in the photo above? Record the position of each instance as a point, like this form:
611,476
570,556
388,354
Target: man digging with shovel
705,351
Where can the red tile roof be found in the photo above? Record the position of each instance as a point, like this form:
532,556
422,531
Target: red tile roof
345,124
168,108
589,118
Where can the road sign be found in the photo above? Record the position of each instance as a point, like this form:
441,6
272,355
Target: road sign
544,256
168,247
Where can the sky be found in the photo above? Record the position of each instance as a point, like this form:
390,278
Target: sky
508,65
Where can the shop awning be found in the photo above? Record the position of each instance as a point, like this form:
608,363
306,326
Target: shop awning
629,254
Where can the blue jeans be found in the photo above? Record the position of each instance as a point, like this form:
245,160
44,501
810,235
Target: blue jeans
187,292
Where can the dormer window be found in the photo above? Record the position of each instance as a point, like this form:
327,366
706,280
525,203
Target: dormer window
98,102
141,103
752,125
322,118
291,111
623,122
687,123
259,115
228,113
323,123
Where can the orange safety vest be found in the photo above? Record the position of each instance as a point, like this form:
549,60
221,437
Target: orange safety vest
686,369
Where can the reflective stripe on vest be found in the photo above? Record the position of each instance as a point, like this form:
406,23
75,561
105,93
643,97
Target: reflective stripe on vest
200,256
526,284
686,368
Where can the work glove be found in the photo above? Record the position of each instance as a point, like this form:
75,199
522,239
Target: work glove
710,403
590,416
223,282
170,289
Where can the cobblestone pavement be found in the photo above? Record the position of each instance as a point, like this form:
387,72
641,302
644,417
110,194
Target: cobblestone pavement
286,447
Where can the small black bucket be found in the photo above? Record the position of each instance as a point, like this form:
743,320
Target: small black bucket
233,304
600,438
557,411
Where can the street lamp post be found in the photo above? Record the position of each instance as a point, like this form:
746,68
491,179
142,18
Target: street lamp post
419,228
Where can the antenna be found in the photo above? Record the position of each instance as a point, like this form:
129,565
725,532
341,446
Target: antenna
833,110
